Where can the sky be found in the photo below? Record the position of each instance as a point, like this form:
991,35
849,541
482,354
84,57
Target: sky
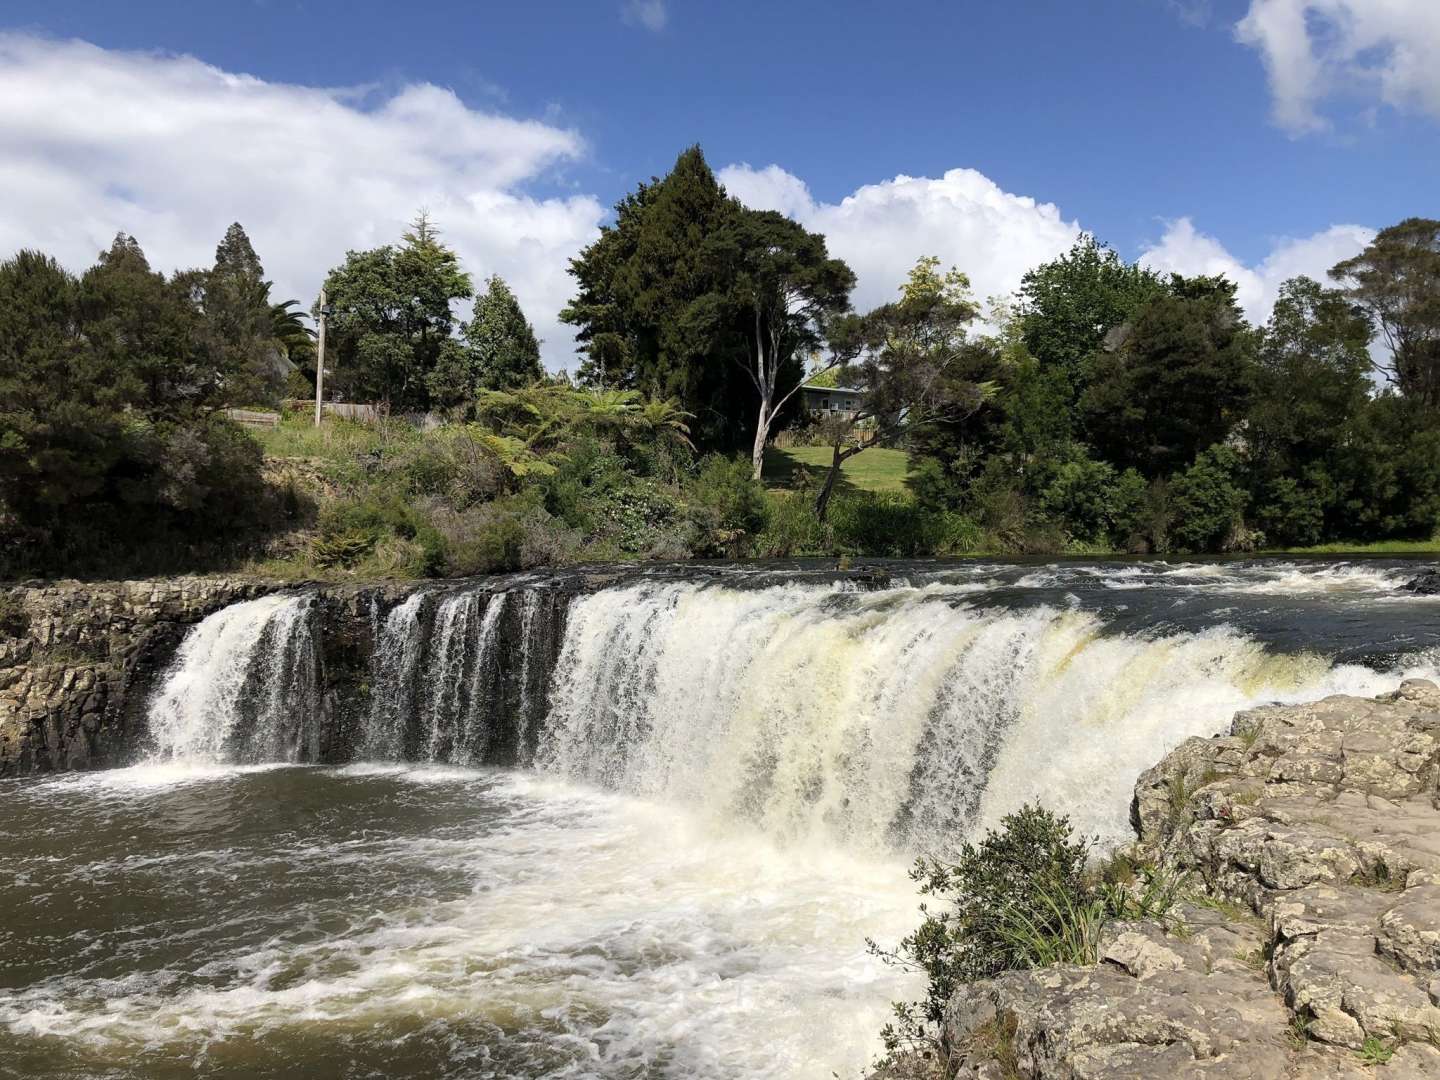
1256,138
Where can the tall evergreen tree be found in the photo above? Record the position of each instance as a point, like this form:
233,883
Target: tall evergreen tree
655,307
500,351
1173,380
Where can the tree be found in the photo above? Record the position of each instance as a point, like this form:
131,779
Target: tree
393,321
1311,382
1173,380
109,393
788,287
909,357
240,322
1069,304
1397,280
501,351
656,303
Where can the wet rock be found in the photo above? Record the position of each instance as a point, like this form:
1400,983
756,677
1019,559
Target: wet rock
1425,583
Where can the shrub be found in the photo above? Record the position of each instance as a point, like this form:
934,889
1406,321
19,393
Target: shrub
1017,899
1209,501
886,524
792,528
726,509
1082,499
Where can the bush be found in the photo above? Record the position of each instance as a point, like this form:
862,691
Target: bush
1209,502
1082,499
725,508
888,524
792,528
1016,900
510,534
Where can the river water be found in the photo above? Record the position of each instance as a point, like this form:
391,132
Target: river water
718,791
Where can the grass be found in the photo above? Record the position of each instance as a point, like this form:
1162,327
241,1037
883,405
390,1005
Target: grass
296,436
876,469
1376,547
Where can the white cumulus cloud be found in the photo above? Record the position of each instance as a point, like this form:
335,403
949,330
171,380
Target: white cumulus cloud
1183,249
172,150
964,217
1381,50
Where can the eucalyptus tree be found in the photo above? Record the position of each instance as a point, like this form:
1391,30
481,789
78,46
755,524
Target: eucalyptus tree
1397,280
787,289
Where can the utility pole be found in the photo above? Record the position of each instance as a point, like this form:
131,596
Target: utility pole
320,359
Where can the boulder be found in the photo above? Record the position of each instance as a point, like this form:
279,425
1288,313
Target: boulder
1425,583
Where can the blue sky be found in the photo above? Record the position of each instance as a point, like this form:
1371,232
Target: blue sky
1196,134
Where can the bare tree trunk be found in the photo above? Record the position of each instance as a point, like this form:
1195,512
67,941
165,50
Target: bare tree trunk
840,456
762,435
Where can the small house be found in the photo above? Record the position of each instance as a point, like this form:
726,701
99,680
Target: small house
839,401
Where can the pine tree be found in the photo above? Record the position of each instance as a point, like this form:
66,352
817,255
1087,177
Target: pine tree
507,352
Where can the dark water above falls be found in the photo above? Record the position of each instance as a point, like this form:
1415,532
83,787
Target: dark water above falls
716,777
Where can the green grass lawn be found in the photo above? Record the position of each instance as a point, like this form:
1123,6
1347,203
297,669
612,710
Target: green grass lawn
1377,547
876,469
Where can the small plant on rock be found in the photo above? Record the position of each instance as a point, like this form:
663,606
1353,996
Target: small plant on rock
1375,1051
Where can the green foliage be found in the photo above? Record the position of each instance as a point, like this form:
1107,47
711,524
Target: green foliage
1375,1051
393,319
1068,305
111,452
501,351
1209,502
1173,380
1397,281
1017,899
726,508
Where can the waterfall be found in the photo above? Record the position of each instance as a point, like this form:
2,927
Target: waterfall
399,642
908,716
901,718
440,681
244,687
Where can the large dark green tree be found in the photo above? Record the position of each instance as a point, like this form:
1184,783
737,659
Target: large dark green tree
394,319
241,323
1397,280
1312,383
667,300
1068,305
1173,380
110,387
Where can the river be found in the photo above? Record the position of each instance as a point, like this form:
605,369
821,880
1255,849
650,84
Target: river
717,779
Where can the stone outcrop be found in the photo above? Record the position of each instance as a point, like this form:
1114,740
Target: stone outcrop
1426,583
72,653
1311,836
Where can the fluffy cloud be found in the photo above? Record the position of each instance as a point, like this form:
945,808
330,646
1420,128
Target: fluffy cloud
650,14
1184,250
964,217
172,150
1314,49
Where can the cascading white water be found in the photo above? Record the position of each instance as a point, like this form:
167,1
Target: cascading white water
244,686
896,718
399,642
456,714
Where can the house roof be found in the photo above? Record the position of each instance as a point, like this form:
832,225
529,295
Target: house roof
831,389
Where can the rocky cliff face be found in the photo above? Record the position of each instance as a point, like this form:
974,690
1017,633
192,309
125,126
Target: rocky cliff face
78,661
1312,948
72,655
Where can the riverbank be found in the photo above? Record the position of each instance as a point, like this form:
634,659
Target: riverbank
1310,945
